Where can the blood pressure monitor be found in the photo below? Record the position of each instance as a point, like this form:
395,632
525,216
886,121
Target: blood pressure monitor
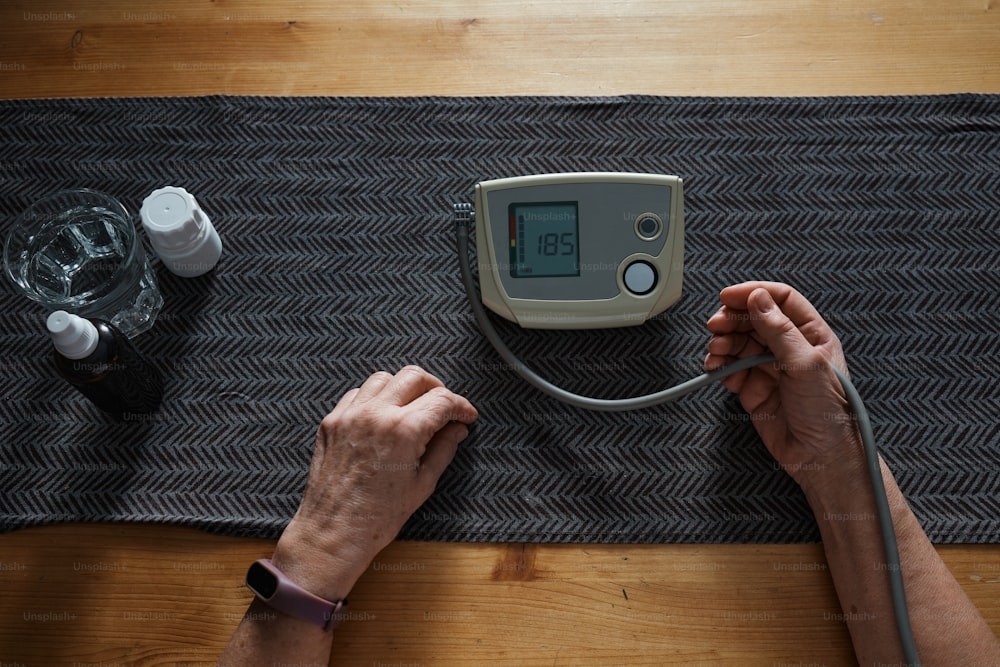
580,250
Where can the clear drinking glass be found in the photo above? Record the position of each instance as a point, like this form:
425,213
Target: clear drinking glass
78,251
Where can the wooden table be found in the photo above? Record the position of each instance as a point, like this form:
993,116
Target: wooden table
151,595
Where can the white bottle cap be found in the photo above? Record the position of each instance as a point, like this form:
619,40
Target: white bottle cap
180,232
73,336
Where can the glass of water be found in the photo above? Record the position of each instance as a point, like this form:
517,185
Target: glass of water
78,251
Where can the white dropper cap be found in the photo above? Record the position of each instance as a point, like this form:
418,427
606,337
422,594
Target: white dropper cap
180,232
73,336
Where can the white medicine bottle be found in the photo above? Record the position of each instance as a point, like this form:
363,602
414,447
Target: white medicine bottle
181,234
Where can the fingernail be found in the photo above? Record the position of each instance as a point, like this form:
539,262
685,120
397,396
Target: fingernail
765,304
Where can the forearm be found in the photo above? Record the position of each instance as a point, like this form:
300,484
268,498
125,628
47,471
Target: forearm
948,629
267,638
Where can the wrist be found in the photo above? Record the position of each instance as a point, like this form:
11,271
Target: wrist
834,482
839,468
847,492
328,570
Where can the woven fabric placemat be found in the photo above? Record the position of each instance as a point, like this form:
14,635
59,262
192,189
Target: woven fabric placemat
340,260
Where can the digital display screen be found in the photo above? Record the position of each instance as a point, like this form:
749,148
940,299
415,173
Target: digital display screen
544,239
262,581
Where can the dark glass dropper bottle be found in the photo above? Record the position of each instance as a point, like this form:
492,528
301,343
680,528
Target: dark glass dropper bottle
100,361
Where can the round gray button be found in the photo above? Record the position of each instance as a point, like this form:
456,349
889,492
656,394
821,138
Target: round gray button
640,277
648,226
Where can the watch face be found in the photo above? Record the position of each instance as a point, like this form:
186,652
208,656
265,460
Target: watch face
261,581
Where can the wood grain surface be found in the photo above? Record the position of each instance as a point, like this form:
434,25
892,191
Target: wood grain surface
153,595
110,595
479,47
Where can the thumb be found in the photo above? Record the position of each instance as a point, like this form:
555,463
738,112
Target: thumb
440,452
778,333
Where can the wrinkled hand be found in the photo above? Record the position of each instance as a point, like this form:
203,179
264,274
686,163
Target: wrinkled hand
378,457
796,404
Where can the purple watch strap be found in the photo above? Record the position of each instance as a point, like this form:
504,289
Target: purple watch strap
290,599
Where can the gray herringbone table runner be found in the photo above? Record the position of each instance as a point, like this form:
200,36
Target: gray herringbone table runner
339,260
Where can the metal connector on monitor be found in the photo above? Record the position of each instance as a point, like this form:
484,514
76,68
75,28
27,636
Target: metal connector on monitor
464,213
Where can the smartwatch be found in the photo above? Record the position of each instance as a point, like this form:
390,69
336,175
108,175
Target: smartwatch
279,592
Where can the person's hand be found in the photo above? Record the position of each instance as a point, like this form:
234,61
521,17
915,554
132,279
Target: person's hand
378,457
796,404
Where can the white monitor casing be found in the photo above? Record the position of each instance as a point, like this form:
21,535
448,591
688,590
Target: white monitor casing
619,247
